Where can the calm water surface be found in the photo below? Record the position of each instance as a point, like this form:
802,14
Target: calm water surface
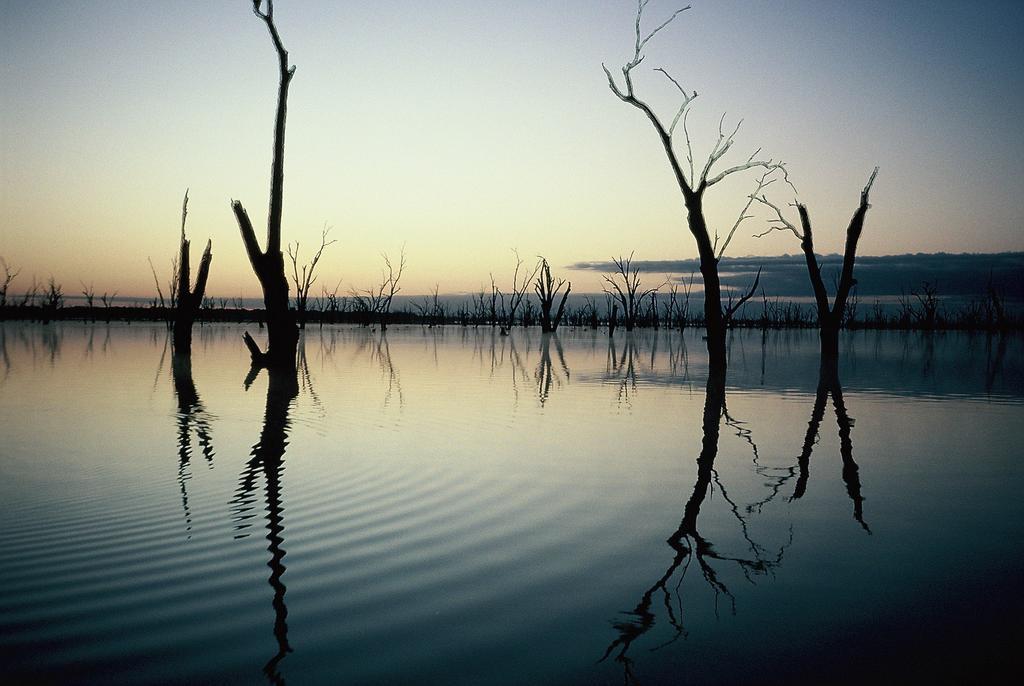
452,506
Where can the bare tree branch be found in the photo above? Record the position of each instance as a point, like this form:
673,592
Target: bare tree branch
519,287
305,282
156,279
629,294
628,95
9,276
783,223
641,43
547,289
731,309
687,99
762,183
694,185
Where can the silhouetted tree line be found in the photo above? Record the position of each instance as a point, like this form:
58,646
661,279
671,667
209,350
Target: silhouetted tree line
668,307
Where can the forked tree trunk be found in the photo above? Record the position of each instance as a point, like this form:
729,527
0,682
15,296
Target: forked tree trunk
188,301
830,317
547,290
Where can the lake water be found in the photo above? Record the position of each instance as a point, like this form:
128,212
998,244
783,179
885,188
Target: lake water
452,506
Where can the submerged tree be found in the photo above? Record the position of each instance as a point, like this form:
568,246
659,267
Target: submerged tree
53,300
8,276
518,293
376,301
89,293
305,281
693,184
547,290
628,293
188,301
282,331
830,318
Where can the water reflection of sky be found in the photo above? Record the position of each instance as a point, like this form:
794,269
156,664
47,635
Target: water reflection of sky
458,506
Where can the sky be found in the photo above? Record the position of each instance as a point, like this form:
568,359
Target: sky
459,130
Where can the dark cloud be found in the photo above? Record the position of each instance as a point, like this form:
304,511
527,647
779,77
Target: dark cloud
962,274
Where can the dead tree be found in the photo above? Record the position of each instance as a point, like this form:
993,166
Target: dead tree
627,293
188,301
331,304
305,281
8,277
496,294
376,302
430,309
830,318
693,183
519,288
28,298
159,290
282,332
53,300
108,300
732,307
547,289
89,293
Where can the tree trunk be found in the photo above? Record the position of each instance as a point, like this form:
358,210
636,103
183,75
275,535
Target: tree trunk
545,316
282,331
714,320
829,334
830,317
189,302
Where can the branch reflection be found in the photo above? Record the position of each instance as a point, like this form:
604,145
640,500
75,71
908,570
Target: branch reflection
690,546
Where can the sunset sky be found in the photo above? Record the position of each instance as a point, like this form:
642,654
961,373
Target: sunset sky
461,129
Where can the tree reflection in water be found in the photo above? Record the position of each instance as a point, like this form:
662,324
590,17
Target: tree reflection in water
3,355
267,460
191,416
690,546
623,367
545,374
828,384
